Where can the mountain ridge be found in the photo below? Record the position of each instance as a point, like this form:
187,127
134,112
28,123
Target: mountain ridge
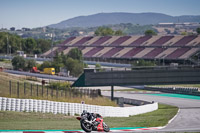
145,18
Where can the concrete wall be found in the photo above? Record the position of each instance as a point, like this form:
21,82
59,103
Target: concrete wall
45,106
143,77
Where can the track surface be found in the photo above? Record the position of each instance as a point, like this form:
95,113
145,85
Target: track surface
188,118
46,76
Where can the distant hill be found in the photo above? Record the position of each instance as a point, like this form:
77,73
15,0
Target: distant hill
117,18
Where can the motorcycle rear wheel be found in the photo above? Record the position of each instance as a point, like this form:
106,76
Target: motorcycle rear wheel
106,127
85,127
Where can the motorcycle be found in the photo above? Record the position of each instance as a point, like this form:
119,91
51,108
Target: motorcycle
92,122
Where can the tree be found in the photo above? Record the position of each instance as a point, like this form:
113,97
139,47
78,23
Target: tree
30,45
198,30
30,64
76,54
104,31
119,33
18,62
43,44
45,64
74,66
150,33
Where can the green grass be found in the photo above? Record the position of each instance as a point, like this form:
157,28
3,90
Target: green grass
38,121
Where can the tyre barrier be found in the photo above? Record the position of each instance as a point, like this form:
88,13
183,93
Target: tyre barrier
45,106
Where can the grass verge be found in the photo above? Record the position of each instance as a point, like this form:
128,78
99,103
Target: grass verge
39,121
47,94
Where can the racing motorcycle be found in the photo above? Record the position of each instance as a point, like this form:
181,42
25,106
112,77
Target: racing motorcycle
92,122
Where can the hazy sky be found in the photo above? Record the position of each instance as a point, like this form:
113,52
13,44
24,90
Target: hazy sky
37,13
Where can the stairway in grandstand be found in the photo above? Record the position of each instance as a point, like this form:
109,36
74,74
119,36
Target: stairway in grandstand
132,47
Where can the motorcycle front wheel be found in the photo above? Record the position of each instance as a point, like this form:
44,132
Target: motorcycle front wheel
106,127
85,126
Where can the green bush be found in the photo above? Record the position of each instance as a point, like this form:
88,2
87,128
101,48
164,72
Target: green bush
59,85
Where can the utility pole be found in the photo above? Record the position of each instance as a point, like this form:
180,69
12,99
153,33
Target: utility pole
7,46
52,46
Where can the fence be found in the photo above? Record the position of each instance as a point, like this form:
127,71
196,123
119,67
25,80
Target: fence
45,106
29,90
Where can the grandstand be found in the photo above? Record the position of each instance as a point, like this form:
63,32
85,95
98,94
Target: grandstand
132,47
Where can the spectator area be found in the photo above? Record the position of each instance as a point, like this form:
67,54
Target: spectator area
131,47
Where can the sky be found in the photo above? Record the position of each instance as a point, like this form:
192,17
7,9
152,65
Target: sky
39,13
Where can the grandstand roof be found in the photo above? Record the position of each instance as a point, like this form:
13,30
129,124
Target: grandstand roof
132,47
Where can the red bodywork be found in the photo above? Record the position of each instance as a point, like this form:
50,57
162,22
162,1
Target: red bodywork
100,126
78,118
99,119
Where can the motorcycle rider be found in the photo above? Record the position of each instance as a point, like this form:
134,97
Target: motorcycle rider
91,116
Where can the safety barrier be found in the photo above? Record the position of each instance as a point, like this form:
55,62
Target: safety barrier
45,106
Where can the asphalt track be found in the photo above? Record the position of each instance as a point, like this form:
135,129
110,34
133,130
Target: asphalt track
45,76
188,118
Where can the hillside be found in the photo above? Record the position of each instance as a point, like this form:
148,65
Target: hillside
117,18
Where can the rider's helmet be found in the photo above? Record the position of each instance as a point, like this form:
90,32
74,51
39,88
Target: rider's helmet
84,111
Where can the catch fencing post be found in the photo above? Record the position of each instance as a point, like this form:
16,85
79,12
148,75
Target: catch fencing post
24,88
42,89
10,86
56,92
69,92
31,89
18,89
51,91
65,92
47,92
37,90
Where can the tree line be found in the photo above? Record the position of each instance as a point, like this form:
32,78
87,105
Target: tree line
73,62
13,43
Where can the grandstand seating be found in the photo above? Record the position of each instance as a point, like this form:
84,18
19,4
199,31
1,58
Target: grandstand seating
103,51
140,41
143,52
67,41
66,51
120,41
132,52
101,40
177,53
153,53
161,41
93,51
130,40
150,41
111,52
132,47
72,42
165,53
185,40
189,53
82,41
87,49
